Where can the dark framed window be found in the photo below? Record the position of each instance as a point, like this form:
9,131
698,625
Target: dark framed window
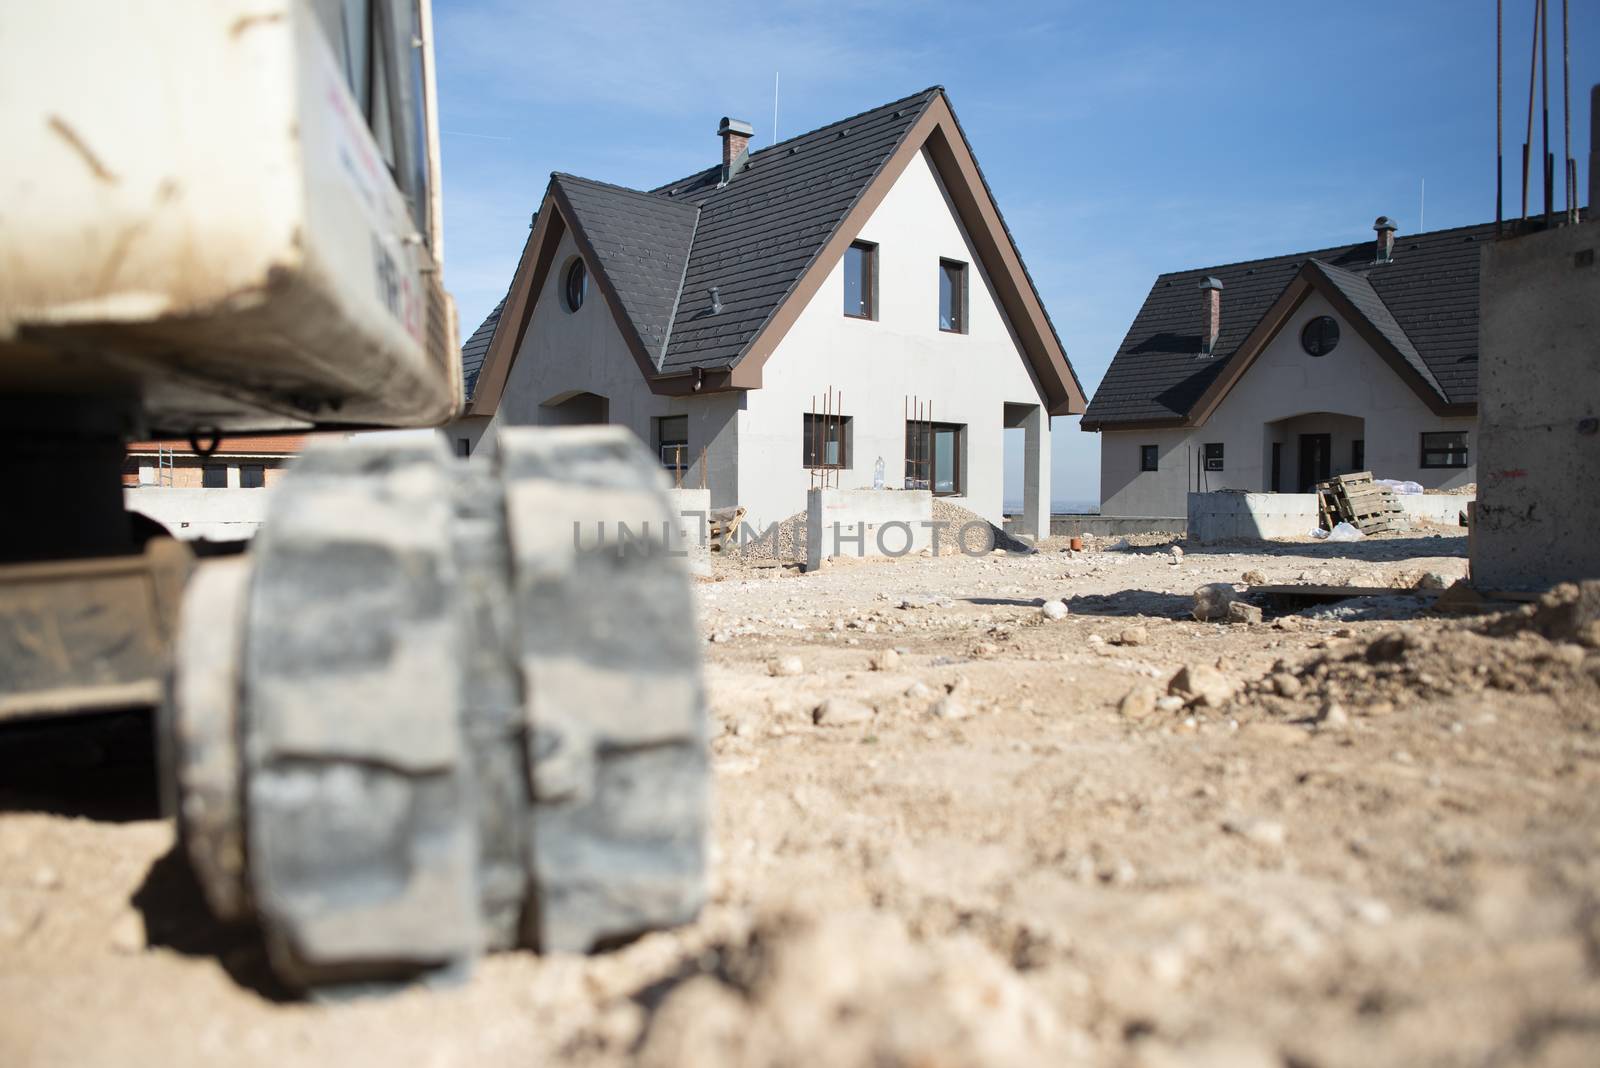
861,281
952,296
1149,457
825,441
463,447
575,285
934,452
1358,454
1444,448
672,442
1320,336
1213,454
214,476
252,476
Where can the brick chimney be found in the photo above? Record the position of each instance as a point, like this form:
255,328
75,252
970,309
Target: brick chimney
735,134
1211,321
1385,228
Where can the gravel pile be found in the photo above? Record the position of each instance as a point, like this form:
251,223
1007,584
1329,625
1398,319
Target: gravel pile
785,546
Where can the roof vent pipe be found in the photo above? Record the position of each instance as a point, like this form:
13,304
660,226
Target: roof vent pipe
1211,307
736,135
716,300
1594,149
1385,228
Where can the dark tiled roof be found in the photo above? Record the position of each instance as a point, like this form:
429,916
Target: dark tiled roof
760,232
642,242
752,238
475,347
1357,289
1425,303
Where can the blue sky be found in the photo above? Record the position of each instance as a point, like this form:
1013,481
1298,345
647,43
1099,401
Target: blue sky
1121,139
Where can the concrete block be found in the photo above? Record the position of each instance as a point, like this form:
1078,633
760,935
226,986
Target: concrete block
692,507
1538,506
867,522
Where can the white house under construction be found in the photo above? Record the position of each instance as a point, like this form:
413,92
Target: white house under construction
864,262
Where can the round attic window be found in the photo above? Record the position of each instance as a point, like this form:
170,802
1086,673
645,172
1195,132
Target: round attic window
575,286
1321,336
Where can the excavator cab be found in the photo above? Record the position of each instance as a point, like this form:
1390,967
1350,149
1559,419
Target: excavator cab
415,721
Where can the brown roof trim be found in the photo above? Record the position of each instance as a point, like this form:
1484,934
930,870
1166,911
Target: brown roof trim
526,285
937,130
1308,279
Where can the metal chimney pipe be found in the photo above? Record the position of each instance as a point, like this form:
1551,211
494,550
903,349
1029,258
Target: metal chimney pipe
1594,148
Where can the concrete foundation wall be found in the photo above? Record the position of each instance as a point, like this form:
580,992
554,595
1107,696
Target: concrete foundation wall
1215,517
693,534
1350,394
1106,526
867,522
1443,508
213,514
1538,514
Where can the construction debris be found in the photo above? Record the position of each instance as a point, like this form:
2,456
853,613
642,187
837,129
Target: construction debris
724,523
1357,500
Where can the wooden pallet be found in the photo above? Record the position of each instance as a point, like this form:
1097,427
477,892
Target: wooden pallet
1357,500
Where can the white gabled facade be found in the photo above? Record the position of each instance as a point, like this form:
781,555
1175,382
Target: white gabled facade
968,377
1351,394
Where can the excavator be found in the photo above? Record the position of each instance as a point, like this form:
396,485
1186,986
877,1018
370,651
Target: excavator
415,722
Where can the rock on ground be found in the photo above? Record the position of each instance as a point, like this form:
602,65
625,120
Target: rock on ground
840,712
783,666
1211,601
1201,685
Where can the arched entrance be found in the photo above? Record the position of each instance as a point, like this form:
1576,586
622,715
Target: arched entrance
575,408
1304,449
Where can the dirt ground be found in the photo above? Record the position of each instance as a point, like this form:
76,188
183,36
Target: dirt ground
953,831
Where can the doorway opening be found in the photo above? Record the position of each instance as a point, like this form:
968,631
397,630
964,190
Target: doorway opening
577,408
1302,450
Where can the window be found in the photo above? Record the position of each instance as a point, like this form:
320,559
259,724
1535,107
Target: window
214,476
1320,336
576,284
1213,454
826,441
463,447
384,73
934,452
953,296
1149,456
252,476
672,442
1445,448
1358,454
860,281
